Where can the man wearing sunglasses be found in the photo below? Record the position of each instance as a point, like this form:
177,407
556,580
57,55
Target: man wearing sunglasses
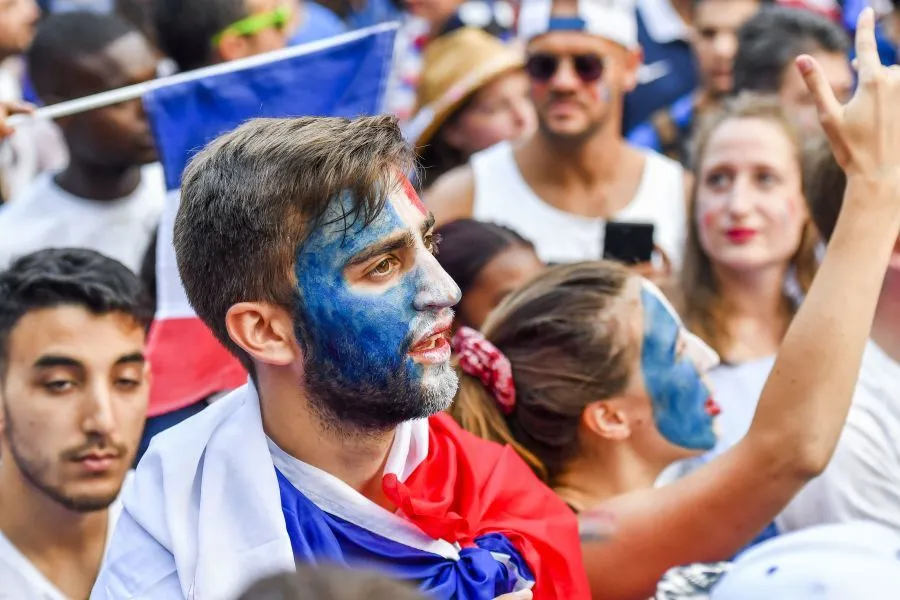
561,185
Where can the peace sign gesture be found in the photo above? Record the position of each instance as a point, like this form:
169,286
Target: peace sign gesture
865,134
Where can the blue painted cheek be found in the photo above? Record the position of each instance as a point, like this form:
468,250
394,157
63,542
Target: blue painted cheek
364,335
676,390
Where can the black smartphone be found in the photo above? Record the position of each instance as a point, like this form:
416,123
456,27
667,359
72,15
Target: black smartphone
629,243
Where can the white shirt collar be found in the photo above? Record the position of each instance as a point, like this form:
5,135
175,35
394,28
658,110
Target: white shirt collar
662,21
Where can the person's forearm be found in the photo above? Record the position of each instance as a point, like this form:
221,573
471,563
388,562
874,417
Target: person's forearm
806,400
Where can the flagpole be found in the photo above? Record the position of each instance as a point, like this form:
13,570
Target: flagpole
131,92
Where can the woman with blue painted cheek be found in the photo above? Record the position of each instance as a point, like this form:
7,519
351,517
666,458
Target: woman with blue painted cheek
589,374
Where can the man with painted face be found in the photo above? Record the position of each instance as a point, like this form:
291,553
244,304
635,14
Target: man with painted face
310,258
563,183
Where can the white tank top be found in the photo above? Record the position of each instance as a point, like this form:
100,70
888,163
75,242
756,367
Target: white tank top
503,197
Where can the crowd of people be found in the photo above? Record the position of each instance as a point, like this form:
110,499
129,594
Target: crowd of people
605,304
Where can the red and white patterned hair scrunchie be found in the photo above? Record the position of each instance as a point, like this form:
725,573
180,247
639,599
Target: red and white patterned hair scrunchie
480,358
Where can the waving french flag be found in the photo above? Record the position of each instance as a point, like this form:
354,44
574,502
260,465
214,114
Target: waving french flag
342,76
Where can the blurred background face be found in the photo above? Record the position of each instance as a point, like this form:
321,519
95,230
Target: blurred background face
74,399
716,23
796,97
577,82
118,135
268,34
499,111
749,204
505,273
17,22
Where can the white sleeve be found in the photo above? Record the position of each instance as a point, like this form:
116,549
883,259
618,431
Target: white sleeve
862,482
136,566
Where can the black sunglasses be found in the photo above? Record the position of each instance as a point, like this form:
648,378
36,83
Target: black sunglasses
542,67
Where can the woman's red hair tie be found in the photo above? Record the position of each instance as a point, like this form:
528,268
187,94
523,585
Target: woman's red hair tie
480,358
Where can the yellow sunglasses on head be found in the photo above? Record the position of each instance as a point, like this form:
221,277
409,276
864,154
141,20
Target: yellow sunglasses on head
253,24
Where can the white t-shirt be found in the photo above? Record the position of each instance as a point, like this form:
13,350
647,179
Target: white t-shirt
503,196
21,580
862,482
46,216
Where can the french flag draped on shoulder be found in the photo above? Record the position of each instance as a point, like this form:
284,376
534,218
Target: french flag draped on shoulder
215,505
343,76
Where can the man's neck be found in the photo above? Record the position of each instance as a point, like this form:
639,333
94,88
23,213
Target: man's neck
886,325
65,546
585,162
99,183
356,459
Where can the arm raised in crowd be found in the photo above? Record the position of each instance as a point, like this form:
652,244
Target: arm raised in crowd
716,510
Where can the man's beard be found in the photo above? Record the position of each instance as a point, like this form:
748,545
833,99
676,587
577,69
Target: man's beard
380,397
35,472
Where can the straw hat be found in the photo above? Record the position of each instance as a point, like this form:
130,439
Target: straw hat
455,66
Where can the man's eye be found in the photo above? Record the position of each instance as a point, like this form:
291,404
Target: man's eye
59,386
384,269
127,384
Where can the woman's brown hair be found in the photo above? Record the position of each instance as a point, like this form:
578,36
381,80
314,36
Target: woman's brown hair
703,307
566,336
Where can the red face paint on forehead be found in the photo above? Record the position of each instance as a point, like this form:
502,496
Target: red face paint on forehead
410,192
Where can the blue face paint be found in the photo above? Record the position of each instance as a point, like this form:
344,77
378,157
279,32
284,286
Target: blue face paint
356,335
677,392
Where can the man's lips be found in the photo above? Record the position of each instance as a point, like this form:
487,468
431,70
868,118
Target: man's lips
434,346
98,461
712,407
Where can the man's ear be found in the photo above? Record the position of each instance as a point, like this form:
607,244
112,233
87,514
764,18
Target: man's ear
606,420
633,62
264,331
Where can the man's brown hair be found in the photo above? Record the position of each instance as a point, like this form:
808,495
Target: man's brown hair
251,197
330,583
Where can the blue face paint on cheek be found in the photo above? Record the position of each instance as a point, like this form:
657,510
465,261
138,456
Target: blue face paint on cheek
676,390
361,334
354,329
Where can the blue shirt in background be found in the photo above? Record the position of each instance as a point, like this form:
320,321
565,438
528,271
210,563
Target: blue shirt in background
318,23
373,13
669,70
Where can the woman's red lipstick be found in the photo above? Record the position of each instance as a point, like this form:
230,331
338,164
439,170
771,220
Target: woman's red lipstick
740,235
